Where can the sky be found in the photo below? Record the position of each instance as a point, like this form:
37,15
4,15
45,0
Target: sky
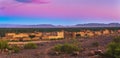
59,12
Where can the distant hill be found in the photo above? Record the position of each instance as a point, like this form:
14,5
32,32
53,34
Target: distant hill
26,26
98,25
59,26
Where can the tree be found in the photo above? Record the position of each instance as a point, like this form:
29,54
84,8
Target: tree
31,36
2,34
78,35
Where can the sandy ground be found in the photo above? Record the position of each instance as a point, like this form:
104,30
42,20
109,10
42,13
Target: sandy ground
45,46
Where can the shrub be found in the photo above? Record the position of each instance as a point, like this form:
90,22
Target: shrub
16,49
3,44
95,44
113,50
58,47
117,39
30,46
66,48
10,48
75,42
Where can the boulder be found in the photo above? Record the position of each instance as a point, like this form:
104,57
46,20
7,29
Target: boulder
57,53
95,52
91,53
98,52
54,53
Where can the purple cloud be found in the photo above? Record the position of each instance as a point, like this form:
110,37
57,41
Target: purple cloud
4,4
24,1
32,1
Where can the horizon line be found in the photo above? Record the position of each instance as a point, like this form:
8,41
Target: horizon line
58,24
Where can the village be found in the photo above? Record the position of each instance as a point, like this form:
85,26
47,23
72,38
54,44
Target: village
57,35
85,43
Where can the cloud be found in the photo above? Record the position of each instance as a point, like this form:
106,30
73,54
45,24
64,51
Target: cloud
32,1
24,1
7,3
15,3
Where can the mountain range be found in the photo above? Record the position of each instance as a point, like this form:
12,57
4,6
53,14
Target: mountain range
59,26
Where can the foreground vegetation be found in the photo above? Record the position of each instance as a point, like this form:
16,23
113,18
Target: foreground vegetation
30,46
67,47
113,49
4,47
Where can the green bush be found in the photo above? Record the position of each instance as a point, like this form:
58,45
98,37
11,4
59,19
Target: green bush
3,44
58,47
30,46
66,48
75,42
16,49
117,39
113,49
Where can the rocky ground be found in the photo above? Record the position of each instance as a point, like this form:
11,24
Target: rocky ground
45,47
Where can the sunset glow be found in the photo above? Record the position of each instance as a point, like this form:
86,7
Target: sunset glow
63,12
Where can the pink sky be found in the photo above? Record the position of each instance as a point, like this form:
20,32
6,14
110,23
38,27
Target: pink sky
107,9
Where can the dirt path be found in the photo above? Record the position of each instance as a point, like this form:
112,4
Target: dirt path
22,43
